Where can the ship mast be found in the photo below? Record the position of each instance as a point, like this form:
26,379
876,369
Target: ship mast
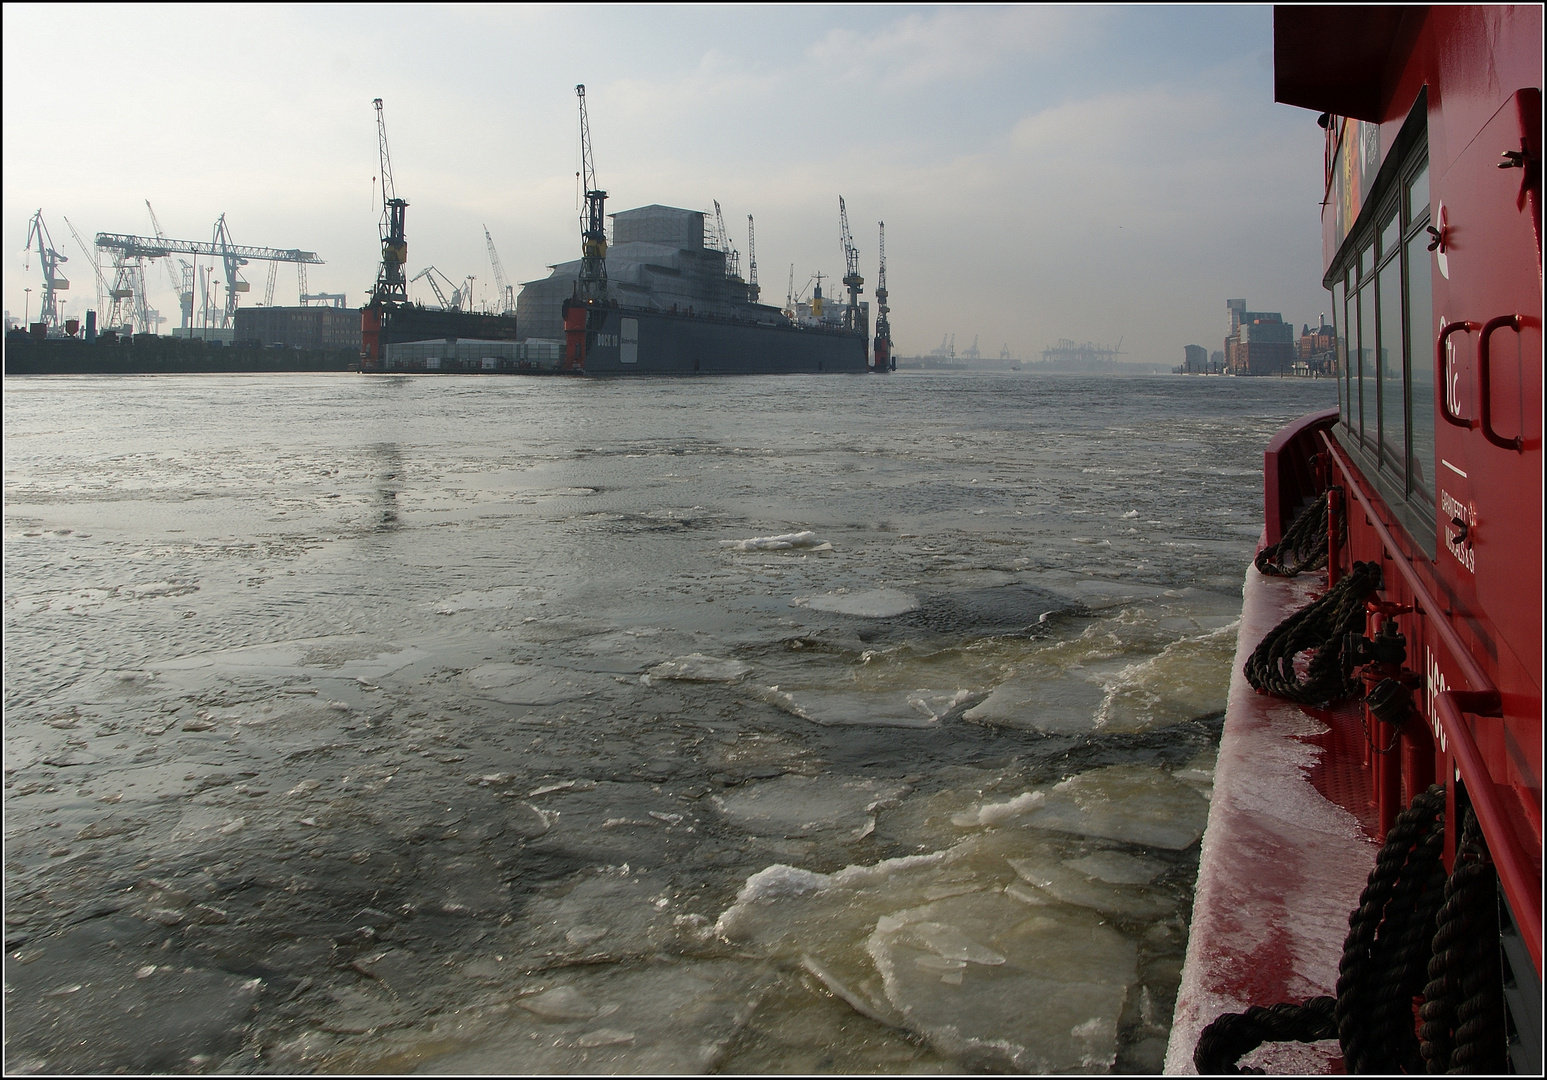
592,285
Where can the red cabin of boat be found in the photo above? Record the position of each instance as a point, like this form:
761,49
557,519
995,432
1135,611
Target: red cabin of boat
1432,244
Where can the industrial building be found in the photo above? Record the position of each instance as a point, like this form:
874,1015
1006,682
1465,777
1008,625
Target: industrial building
300,327
1259,342
656,259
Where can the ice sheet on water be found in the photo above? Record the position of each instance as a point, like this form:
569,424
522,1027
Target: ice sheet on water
696,667
1035,990
1134,804
1118,868
1063,881
1054,703
793,806
532,684
806,540
866,604
1187,679
833,708
665,1019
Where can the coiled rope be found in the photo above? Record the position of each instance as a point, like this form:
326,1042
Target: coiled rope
1303,545
1463,1000
1321,627
1412,923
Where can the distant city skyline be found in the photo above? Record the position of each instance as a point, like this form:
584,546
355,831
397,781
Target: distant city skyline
1045,173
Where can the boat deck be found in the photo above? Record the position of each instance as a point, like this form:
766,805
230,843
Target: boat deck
1290,842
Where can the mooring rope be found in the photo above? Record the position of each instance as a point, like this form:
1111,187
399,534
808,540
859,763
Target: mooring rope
1322,626
1304,544
1412,923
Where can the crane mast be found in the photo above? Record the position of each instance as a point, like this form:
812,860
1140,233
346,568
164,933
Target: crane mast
37,232
391,288
507,299
851,278
752,287
883,343
592,286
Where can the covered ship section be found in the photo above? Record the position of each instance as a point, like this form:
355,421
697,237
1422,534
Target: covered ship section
1369,894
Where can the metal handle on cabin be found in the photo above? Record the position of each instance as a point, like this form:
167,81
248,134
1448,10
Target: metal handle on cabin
1440,374
1483,373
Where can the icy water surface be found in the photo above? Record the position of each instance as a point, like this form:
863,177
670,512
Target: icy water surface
833,724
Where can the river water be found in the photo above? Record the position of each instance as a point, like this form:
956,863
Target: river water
459,724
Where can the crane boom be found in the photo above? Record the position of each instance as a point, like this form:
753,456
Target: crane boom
883,342
50,259
753,291
507,301
592,285
391,289
851,278
181,280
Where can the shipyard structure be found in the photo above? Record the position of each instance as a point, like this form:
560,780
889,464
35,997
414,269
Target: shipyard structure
663,294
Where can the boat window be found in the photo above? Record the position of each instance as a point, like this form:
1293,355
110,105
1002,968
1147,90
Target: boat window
1392,377
1418,195
1419,282
1364,390
1366,261
1340,346
1389,233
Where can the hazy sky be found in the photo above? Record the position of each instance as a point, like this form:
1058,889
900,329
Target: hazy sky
1043,172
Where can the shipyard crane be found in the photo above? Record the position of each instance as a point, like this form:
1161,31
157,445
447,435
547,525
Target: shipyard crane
752,287
230,255
103,288
851,278
456,294
49,259
391,289
883,343
507,294
972,353
182,282
592,284
789,296
723,242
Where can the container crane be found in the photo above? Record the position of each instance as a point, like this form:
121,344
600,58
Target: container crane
592,286
391,289
851,278
507,294
37,232
752,288
884,360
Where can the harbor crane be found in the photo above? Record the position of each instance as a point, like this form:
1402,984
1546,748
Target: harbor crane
851,278
592,284
752,287
789,296
722,241
883,343
103,288
220,246
507,294
455,303
391,289
49,260
972,353
181,282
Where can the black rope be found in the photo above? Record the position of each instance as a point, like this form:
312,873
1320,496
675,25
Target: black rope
1303,546
1234,1035
1321,627
1463,1010
1386,953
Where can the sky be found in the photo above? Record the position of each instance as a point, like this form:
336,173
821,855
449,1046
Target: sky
1044,172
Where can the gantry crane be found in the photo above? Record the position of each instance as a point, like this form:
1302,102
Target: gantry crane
851,278
592,285
391,289
883,344
752,288
507,294
37,232
130,249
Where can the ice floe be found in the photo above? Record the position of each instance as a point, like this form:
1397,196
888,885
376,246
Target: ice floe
793,806
866,604
806,540
699,668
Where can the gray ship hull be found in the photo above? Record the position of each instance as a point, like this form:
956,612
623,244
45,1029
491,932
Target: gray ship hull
626,341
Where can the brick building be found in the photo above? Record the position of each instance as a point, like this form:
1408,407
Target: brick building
1259,342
